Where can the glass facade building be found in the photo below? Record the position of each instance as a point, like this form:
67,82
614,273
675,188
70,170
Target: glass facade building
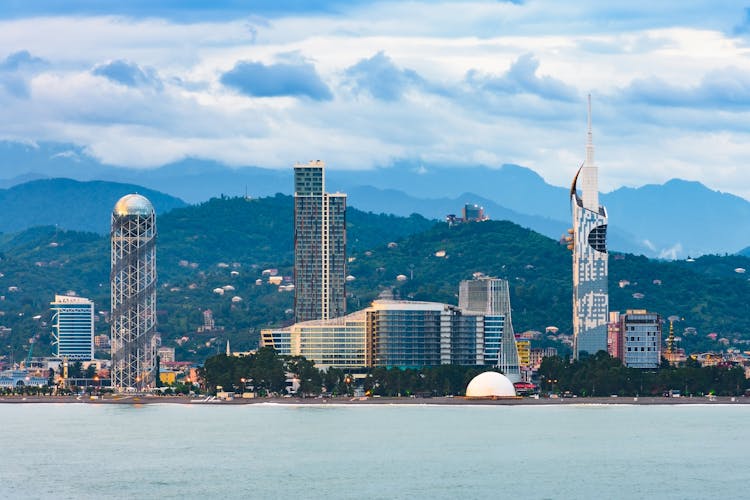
73,327
389,333
319,246
491,297
590,259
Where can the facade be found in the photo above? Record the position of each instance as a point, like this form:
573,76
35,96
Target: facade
473,213
73,327
166,354
133,288
641,334
319,246
590,258
614,336
389,333
491,297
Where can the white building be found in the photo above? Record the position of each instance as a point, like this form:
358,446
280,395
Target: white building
590,258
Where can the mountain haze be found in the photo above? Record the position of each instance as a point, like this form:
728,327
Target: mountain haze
673,220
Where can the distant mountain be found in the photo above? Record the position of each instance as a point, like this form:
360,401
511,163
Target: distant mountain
673,220
69,204
681,218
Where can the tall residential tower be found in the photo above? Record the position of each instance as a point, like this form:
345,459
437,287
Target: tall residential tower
133,287
319,246
590,258
73,327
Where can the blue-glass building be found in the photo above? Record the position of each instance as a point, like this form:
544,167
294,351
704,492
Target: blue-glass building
73,327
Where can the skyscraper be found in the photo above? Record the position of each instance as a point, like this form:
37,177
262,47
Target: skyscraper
590,258
491,297
319,246
133,287
73,327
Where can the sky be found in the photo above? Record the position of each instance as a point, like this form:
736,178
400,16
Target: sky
364,84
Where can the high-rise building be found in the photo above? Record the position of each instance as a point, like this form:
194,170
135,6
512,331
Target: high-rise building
491,297
73,327
319,246
133,288
640,331
590,258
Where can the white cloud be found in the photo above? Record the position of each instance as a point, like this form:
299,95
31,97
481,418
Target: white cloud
531,51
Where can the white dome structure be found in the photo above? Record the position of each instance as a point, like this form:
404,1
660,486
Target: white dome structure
133,204
490,385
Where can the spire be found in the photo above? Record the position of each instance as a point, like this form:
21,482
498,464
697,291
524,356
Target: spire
589,140
229,352
589,172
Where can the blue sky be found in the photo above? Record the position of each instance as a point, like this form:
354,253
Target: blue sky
366,84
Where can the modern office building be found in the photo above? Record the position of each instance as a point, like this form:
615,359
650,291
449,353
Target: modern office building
391,333
640,338
319,246
133,288
491,298
73,327
590,258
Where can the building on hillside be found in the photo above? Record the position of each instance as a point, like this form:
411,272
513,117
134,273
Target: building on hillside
133,294
319,246
590,258
73,327
491,297
473,213
639,333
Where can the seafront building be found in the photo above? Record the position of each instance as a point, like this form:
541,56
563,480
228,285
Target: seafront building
637,337
590,258
491,298
319,246
133,288
73,327
390,333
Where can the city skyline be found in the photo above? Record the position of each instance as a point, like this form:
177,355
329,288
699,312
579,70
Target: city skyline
140,85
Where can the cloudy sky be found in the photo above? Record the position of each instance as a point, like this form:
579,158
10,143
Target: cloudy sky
362,84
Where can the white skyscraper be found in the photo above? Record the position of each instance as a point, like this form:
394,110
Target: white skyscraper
590,257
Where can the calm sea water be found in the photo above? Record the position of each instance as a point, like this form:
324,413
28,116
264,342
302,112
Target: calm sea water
267,451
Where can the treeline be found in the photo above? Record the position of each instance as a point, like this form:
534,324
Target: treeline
602,375
265,372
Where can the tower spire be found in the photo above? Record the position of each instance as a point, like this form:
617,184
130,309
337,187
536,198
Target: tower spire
589,139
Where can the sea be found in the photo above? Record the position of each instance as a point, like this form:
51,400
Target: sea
81,451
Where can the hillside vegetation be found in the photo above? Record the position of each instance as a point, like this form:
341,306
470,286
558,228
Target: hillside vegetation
228,242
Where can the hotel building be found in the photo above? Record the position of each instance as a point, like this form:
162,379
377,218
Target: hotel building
319,246
73,327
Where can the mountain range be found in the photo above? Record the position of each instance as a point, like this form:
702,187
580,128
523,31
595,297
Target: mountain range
676,219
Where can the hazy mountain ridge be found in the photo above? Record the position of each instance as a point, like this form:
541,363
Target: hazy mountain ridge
70,204
672,220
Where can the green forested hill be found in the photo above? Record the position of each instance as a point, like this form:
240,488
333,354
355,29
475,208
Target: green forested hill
229,242
222,242
707,292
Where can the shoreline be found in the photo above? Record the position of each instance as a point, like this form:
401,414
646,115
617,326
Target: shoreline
402,401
